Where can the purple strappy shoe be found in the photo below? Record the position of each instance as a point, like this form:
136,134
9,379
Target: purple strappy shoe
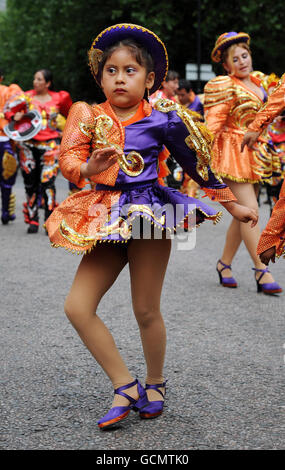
226,281
154,408
118,413
269,288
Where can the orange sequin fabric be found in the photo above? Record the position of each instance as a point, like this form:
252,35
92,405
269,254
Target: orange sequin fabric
87,128
274,232
273,108
77,223
229,109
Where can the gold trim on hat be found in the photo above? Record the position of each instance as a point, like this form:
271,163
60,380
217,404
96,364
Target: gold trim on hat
216,53
95,58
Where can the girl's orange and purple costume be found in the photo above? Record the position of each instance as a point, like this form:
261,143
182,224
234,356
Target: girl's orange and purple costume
230,106
129,188
274,233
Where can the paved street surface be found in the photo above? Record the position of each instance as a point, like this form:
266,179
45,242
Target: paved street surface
224,364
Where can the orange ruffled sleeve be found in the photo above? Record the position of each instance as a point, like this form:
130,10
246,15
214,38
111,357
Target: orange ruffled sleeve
274,232
76,145
218,99
273,108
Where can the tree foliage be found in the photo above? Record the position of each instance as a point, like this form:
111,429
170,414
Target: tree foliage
57,34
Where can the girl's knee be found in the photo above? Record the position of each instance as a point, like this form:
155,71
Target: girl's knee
147,316
74,311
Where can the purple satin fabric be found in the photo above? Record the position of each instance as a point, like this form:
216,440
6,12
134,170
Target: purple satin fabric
163,206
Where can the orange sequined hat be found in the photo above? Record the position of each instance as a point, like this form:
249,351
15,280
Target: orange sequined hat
226,40
142,35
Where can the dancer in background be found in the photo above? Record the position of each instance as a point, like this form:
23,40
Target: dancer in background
38,156
8,157
231,103
188,98
168,89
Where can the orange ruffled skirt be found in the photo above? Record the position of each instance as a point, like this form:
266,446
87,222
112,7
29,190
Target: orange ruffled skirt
249,166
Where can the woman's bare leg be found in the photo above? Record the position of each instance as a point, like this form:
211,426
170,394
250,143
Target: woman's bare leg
148,261
232,243
95,275
246,194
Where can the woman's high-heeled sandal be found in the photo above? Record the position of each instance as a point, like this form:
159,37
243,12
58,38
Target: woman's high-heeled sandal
155,408
269,288
118,413
226,281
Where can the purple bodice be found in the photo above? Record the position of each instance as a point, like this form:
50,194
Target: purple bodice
149,135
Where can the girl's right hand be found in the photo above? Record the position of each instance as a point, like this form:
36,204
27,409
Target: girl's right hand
100,160
18,116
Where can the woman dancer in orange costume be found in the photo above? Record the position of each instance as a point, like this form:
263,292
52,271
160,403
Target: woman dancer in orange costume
231,103
272,240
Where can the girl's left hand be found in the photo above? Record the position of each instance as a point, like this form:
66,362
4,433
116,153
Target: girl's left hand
241,213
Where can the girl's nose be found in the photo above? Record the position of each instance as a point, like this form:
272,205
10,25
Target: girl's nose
120,77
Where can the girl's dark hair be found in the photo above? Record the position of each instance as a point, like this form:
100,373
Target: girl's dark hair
48,77
140,54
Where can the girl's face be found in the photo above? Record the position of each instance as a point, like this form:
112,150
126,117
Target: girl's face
124,80
241,64
40,84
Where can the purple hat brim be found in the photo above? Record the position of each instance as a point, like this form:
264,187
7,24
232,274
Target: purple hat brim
142,35
227,42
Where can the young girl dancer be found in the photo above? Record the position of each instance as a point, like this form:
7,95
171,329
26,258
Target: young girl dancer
121,139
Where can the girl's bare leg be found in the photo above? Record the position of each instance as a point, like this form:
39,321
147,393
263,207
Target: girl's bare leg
246,194
148,261
95,275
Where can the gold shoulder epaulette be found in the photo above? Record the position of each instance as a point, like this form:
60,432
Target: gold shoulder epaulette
218,90
199,139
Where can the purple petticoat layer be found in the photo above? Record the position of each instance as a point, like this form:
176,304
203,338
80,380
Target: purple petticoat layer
164,207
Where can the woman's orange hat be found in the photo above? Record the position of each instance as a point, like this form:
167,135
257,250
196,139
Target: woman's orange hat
226,40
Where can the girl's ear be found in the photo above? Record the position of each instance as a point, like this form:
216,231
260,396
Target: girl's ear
150,80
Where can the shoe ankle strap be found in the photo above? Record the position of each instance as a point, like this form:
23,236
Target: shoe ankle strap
156,387
263,271
226,266
119,391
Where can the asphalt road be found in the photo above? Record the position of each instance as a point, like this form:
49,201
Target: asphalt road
224,363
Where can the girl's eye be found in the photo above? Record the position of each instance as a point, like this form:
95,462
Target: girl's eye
130,70
111,70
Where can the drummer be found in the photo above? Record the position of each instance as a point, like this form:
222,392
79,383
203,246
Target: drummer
34,125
